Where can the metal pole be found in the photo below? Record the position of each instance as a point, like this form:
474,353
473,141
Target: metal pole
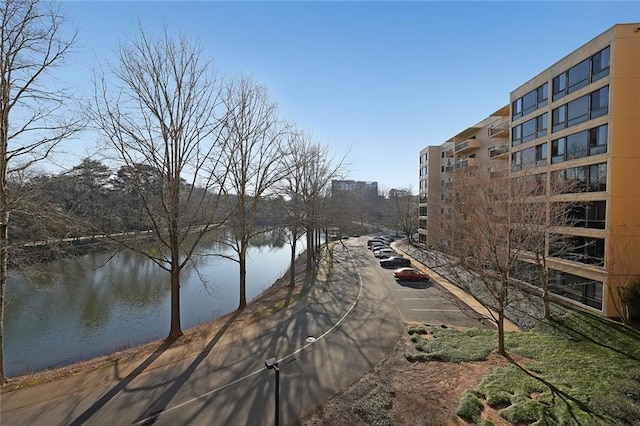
277,395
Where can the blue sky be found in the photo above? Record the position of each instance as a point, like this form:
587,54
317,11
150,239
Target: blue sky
377,81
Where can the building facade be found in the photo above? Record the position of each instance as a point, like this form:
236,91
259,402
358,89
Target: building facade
355,187
577,121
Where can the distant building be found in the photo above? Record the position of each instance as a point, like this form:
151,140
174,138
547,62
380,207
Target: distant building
579,119
399,193
353,187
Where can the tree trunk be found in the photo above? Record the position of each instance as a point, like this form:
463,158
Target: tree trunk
4,226
292,267
501,307
243,276
501,349
176,328
545,296
310,251
4,241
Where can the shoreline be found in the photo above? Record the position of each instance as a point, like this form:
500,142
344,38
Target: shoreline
267,308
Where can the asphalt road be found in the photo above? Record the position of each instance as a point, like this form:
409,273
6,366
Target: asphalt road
347,326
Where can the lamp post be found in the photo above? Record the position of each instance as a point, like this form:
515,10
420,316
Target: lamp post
272,364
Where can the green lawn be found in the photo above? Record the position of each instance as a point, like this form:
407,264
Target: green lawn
583,370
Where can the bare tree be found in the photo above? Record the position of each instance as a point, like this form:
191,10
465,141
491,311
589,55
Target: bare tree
254,138
545,218
486,230
160,108
404,210
32,107
319,214
296,160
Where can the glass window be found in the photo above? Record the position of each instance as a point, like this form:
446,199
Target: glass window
596,214
600,102
559,118
582,290
516,135
600,64
529,130
578,111
542,123
516,161
559,86
517,109
597,177
529,102
591,178
542,95
541,154
557,150
578,76
576,215
577,146
577,179
598,140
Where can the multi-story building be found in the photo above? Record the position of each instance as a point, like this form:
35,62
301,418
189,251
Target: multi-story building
483,145
361,188
577,120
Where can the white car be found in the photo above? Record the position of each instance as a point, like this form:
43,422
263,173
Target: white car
384,253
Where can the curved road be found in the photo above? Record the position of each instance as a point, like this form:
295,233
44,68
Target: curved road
344,329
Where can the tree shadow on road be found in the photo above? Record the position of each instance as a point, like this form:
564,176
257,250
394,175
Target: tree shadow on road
124,382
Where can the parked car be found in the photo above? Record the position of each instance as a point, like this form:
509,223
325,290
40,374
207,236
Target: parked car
376,241
410,274
379,246
394,262
384,253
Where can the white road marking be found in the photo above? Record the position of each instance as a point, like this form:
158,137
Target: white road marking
422,298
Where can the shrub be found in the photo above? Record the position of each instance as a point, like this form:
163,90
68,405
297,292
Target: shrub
470,407
373,407
417,329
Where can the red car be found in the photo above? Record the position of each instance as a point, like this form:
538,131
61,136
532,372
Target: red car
410,274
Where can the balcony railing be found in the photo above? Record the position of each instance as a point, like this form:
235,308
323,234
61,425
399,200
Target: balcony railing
448,169
500,130
467,162
467,145
499,152
449,153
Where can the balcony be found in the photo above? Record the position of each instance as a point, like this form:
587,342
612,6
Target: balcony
500,130
467,162
449,153
448,169
499,152
498,174
467,145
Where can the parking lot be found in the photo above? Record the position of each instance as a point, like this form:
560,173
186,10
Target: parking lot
427,302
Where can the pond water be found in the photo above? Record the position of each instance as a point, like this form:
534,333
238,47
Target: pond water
79,308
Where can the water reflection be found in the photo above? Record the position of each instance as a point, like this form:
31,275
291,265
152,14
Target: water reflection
90,305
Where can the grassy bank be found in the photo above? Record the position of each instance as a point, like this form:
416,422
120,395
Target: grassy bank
578,369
